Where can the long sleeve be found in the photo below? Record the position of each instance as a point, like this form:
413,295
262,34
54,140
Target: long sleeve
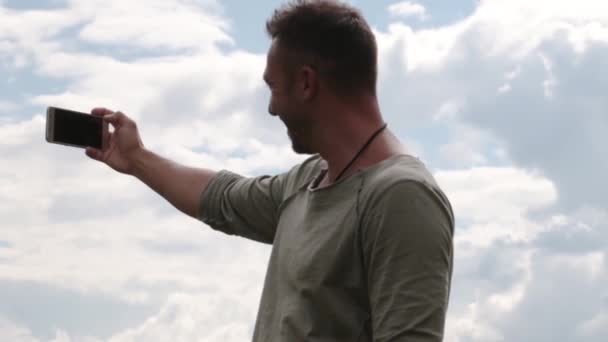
408,255
247,207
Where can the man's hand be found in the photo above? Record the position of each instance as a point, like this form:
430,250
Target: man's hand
124,142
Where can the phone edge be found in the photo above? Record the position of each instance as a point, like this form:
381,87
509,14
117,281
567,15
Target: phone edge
50,124
105,135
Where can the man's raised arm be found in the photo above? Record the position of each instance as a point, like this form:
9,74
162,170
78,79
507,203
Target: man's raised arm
180,185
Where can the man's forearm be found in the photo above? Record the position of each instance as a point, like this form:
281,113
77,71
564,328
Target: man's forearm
180,185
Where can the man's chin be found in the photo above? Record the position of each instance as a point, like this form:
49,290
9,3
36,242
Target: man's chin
300,148
296,145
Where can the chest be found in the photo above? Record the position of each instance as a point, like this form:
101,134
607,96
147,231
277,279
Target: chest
317,240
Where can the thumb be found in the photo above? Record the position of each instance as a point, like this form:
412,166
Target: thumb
94,153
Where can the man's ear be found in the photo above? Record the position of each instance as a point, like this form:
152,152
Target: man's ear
308,82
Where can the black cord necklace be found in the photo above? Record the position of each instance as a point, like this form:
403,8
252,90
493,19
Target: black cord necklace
360,151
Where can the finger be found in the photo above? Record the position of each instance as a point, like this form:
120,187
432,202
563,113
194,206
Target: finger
94,153
116,118
100,111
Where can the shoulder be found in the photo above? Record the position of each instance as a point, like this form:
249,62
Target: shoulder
401,181
400,169
302,174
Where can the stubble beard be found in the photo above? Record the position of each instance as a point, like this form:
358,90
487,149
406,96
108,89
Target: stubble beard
298,144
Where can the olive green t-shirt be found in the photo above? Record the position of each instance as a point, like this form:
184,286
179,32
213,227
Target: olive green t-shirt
368,258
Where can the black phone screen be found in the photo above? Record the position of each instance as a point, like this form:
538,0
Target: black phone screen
76,128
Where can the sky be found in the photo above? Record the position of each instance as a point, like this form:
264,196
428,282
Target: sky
504,101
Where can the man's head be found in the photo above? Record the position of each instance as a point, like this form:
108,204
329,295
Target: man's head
321,50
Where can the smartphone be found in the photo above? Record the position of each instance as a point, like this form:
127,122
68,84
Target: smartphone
71,128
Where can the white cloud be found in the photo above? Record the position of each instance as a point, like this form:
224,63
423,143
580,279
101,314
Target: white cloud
520,26
493,203
10,331
158,24
21,42
468,145
7,107
516,74
407,9
196,318
424,50
74,224
598,325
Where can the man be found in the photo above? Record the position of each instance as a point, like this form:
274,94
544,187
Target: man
361,233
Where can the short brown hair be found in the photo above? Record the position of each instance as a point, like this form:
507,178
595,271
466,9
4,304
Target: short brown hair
331,36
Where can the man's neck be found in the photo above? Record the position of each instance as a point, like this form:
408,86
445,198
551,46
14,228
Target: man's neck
340,143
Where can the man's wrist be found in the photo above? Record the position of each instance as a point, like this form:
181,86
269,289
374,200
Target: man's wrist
140,159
